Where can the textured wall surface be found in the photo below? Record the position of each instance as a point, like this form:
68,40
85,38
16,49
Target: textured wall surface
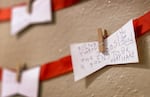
44,43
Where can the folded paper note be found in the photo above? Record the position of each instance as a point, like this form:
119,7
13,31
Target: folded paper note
41,13
120,49
28,86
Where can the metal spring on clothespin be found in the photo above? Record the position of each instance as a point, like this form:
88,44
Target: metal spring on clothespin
102,34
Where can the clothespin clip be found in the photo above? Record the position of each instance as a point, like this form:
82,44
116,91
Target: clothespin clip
19,70
102,34
29,6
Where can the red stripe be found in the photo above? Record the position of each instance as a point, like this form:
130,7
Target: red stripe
56,68
60,4
0,73
142,24
5,13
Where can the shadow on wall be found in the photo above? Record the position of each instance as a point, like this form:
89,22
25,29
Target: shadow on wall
144,62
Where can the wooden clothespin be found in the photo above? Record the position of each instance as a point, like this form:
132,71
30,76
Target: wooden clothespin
19,70
29,6
102,34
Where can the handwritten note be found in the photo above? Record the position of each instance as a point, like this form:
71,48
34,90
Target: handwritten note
120,49
41,13
28,86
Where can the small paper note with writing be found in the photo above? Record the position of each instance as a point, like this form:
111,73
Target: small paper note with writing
28,86
41,13
121,48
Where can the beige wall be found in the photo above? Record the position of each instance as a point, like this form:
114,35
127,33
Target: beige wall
44,43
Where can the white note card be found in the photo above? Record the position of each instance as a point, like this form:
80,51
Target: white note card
41,13
28,86
121,48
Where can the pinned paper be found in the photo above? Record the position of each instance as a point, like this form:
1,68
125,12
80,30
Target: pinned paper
28,86
121,48
41,13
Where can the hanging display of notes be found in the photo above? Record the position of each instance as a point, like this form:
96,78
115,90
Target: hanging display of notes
120,49
85,59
